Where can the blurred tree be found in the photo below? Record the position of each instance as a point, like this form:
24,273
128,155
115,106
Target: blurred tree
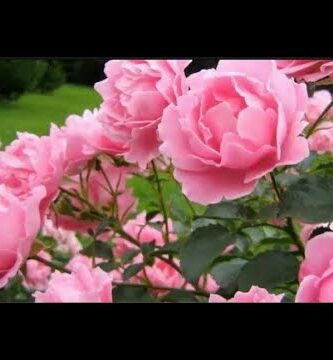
19,76
53,77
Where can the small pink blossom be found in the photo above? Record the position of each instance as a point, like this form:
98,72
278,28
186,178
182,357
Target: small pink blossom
37,273
307,70
82,285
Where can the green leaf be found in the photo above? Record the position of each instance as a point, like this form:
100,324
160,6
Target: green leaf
151,215
104,226
132,270
131,294
226,210
98,248
306,163
147,248
226,275
129,255
268,211
180,296
310,199
107,266
144,192
170,249
269,269
201,248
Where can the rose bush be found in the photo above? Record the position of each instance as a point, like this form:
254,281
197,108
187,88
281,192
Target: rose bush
215,187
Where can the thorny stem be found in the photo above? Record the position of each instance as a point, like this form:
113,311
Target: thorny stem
318,121
50,264
290,226
160,195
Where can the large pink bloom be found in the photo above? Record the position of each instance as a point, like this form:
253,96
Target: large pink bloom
135,93
317,288
254,295
30,161
37,273
99,193
20,222
82,285
307,70
85,138
235,125
318,255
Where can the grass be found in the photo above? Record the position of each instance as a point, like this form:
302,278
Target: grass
35,112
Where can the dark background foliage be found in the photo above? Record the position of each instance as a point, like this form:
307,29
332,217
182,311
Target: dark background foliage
20,76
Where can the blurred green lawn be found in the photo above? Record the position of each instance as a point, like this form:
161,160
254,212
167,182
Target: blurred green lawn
35,112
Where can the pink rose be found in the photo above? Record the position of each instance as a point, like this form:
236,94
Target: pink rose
321,140
234,126
208,284
30,161
317,104
79,260
162,274
85,138
100,196
307,230
143,233
83,285
135,93
254,295
37,273
317,288
67,240
20,221
318,254
307,70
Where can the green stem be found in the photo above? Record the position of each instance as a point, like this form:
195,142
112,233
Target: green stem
163,208
319,120
77,196
49,263
275,186
290,226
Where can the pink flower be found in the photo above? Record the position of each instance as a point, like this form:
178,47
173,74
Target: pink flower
85,138
67,240
318,255
317,104
79,260
82,285
162,274
37,273
234,126
20,221
317,288
208,284
321,140
100,196
307,230
30,161
135,94
143,233
307,70
254,295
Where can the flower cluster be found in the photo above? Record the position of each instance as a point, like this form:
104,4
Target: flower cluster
217,132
